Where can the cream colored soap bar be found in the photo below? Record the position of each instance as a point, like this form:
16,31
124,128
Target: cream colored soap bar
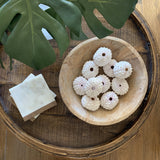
32,97
31,76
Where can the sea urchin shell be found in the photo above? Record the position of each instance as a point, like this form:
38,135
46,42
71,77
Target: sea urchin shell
105,82
109,100
108,69
93,87
79,85
102,56
122,69
90,69
89,103
120,86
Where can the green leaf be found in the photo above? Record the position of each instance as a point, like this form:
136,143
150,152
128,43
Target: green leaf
25,20
26,42
116,12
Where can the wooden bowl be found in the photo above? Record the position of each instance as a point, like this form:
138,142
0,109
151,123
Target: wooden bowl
128,103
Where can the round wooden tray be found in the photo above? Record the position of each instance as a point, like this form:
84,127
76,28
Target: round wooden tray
59,132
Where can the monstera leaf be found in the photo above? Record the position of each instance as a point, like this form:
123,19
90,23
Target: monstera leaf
25,20
26,41
116,12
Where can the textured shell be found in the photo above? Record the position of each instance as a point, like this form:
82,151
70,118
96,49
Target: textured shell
122,69
105,82
90,69
120,86
102,56
108,69
109,100
91,104
79,85
93,87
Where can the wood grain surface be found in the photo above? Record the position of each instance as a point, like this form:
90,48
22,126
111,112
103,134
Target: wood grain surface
57,131
144,146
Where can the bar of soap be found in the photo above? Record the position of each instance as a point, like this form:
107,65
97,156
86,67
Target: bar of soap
32,97
31,76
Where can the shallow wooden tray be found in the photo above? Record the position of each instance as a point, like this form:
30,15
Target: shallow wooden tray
59,132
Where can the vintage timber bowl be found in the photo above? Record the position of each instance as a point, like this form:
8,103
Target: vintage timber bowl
128,104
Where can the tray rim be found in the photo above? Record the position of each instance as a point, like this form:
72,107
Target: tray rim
115,144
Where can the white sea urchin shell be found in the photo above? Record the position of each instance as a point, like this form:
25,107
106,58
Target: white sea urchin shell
120,86
91,104
109,100
79,85
122,69
108,69
102,56
93,87
105,82
90,69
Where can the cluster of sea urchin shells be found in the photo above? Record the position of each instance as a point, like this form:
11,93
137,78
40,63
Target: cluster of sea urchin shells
102,90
